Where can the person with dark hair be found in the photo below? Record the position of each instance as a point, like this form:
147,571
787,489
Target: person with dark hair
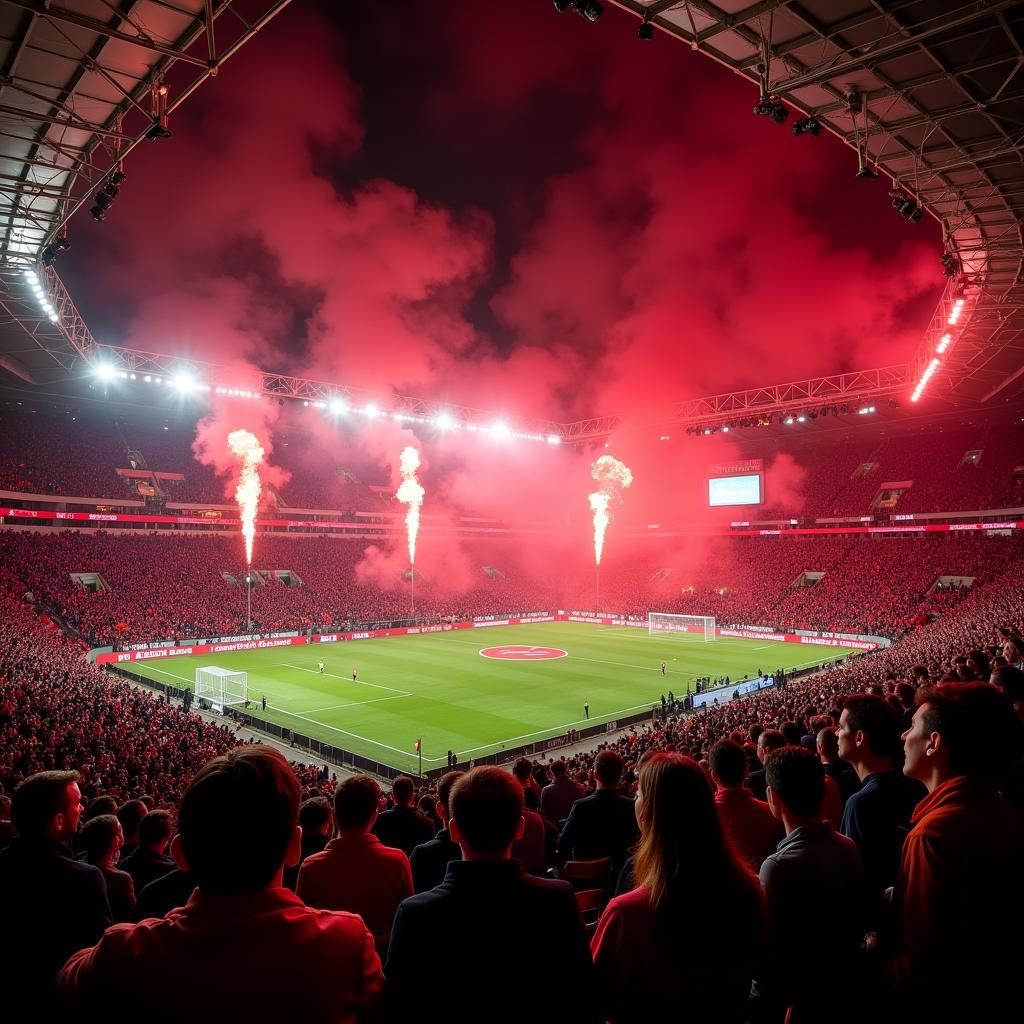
315,822
604,823
403,827
642,948
430,860
238,827
1010,683
557,798
768,740
130,815
531,847
1013,652
356,872
51,903
958,893
169,891
489,910
877,818
101,840
812,867
150,860
749,821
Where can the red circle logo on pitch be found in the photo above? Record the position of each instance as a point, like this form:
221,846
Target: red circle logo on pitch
520,652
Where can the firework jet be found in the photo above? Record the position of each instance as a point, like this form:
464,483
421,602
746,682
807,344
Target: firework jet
613,477
247,448
410,492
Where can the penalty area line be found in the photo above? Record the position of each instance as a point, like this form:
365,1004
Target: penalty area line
359,682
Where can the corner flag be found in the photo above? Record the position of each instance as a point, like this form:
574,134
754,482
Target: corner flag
418,742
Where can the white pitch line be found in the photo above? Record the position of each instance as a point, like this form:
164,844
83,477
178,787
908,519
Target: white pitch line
173,675
351,704
360,682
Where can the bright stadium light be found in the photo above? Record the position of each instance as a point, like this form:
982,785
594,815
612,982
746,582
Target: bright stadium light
336,406
105,372
445,421
370,410
925,377
184,381
554,439
943,343
500,429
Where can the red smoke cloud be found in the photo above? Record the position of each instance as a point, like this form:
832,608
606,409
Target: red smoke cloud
675,246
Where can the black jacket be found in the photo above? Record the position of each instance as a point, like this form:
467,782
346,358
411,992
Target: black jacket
51,906
167,892
146,866
404,828
430,860
489,912
600,825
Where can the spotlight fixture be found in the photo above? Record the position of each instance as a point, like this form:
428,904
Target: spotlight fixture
158,127
772,106
562,5
865,173
646,31
905,206
950,264
57,247
806,126
589,9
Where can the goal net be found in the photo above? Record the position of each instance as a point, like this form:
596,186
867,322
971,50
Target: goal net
699,625
221,687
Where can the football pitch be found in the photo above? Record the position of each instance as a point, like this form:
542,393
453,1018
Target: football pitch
530,685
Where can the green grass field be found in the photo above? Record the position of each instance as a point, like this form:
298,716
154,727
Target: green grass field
438,686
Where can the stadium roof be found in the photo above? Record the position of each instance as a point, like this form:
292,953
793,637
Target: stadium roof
929,94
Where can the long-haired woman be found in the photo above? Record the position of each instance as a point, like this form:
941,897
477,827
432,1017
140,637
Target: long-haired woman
681,946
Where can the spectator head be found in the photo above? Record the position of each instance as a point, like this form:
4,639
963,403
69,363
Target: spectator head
102,839
130,815
155,830
487,813
796,785
48,805
444,793
968,729
978,663
558,769
680,829
905,693
1013,650
827,743
769,741
728,764
99,805
792,732
238,822
754,732
1009,682
315,816
869,732
403,790
355,804
608,768
523,771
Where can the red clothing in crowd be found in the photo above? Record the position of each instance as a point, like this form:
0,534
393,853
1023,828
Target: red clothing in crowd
358,873
753,827
646,977
256,957
960,900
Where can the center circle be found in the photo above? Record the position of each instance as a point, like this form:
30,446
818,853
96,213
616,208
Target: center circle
521,652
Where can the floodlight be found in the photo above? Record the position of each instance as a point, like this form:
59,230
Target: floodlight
183,380
500,429
104,371
336,406
645,32
444,421
370,410
554,439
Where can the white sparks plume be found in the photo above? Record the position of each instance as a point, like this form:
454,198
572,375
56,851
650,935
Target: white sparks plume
613,477
410,492
247,493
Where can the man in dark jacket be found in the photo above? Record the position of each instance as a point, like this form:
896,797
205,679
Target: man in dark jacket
150,860
53,905
604,823
490,910
430,860
403,827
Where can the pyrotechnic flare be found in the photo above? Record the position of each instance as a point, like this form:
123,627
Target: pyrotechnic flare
613,478
410,492
247,447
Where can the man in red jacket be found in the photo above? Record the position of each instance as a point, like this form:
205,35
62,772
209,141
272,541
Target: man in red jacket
959,895
238,828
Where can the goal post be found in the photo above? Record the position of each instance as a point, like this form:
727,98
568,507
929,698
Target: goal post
221,688
664,622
